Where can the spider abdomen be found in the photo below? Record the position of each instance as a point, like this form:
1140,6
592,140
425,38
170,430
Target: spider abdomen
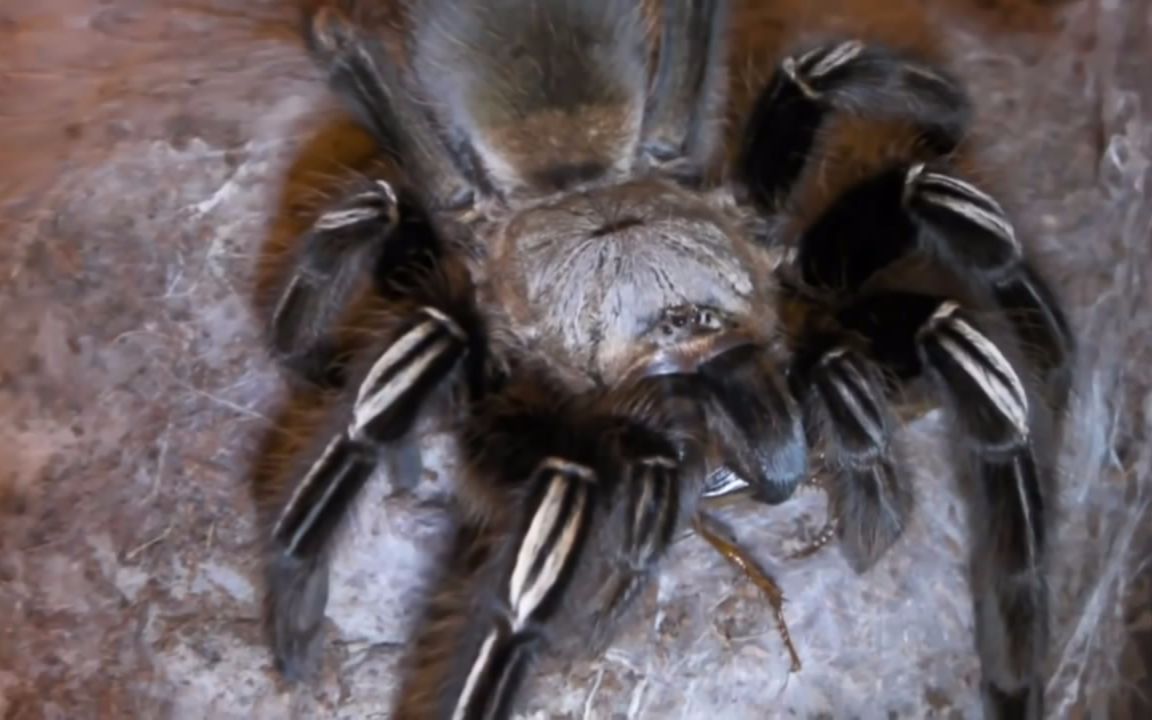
547,95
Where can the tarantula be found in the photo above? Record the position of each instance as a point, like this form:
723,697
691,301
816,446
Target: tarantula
621,327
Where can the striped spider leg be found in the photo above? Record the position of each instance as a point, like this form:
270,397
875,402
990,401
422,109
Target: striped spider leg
572,503
425,342
366,234
916,273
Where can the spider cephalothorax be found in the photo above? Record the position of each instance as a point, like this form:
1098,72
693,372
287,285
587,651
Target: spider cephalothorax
569,272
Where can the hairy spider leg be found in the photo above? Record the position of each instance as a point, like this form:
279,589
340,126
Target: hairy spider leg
924,209
329,267
679,133
999,422
600,496
848,417
1006,423
848,78
368,235
951,216
426,340
966,227
547,547
368,81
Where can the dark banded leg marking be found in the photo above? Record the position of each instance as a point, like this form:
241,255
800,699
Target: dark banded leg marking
651,513
404,376
988,396
387,403
344,241
871,501
332,481
853,79
991,404
948,200
545,556
996,441
654,505
375,208
972,230
923,209
813,66
550,543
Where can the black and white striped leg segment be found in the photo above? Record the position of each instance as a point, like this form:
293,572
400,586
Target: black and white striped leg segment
544,556
846,78
388,400
346,239
1001,427
927,209
966,226
632,500
992,405
588,496
848,418
652,510
417,361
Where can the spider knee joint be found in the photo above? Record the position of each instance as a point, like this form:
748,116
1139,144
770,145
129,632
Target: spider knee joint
971,363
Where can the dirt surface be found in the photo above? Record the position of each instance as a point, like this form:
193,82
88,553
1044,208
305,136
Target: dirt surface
153,155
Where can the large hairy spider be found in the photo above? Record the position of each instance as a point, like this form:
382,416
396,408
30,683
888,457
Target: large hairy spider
620,327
